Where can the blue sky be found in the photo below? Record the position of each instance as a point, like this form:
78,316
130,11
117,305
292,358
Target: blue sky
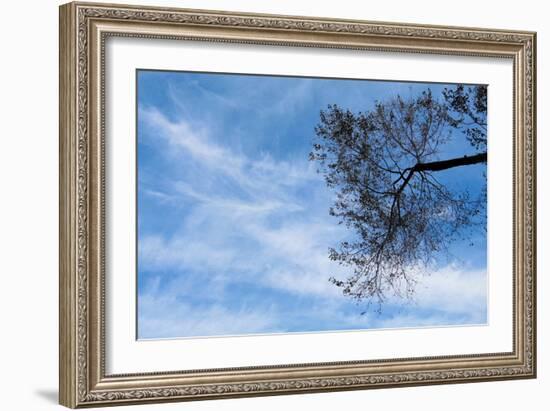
233,223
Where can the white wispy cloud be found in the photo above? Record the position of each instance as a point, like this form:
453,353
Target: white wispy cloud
299,245
163,314
449,295
454,297
453,290
194,140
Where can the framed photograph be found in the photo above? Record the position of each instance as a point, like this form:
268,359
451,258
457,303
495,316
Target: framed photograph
259,204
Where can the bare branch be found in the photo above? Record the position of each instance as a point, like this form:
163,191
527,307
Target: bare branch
382,165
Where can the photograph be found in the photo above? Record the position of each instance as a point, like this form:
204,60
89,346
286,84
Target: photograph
280,204
256,203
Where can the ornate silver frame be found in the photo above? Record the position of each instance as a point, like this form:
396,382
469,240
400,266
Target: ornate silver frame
83,30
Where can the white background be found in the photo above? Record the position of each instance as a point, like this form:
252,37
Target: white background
28,210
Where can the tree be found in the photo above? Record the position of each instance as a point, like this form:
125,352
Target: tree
383,165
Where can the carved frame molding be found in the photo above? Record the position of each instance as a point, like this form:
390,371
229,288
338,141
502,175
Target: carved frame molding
84,27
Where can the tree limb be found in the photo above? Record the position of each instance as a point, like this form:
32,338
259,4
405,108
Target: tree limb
453,162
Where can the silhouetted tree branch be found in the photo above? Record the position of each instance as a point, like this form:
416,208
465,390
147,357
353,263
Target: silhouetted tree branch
383,166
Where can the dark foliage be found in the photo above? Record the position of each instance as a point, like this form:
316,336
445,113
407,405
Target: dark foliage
468,112
383,165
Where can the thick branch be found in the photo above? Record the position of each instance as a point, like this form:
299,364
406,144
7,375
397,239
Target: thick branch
453,162
432,166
